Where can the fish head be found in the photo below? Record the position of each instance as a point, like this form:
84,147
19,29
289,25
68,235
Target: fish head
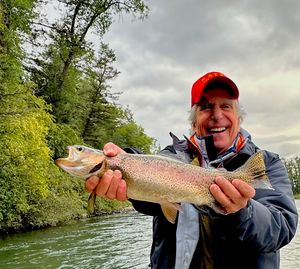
82,161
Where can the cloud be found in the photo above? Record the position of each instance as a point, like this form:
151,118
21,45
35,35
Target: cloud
255,43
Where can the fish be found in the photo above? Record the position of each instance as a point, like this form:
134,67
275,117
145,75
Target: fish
160,179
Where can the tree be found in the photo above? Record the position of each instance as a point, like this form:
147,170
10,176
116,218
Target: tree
75,78
24,121
132,135
293,169
99,114
63,97
70,51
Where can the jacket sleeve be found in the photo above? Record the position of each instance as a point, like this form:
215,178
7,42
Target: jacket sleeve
270,220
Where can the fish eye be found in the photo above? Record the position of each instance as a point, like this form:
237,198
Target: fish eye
80,148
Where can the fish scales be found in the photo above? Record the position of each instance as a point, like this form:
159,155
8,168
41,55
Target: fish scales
156,178
160,179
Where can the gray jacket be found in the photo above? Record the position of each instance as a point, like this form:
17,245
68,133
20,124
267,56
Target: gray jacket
250,238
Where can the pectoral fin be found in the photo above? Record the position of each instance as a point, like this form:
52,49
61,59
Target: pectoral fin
170,211
91,202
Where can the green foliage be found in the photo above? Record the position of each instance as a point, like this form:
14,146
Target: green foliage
98,115
59,137
58,89
293,169
70,56
108,206
24,161
65,201
130,134
57,96
24,155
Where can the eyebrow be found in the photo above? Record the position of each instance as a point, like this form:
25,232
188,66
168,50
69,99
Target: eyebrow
202,101
205,103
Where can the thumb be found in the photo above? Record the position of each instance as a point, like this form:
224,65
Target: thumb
111,150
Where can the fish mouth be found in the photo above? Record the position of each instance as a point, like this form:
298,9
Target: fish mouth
81,161
66,162
70,161
217,130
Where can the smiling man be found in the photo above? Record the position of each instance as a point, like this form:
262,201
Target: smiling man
216,115
217,111
258,221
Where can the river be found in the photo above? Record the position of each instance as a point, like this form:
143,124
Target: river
120,241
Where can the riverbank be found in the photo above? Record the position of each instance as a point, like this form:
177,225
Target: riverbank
103,207
120,241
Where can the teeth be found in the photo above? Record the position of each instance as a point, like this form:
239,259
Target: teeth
221,129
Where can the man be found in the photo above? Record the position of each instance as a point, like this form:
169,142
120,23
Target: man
258,222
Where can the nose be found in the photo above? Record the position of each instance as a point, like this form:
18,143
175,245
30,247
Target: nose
216,114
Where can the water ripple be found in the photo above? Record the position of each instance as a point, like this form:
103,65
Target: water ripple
119,241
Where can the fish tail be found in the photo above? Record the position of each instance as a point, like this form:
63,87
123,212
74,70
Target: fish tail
256,170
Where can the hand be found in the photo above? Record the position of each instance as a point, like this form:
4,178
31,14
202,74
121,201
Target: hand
111,185
232,196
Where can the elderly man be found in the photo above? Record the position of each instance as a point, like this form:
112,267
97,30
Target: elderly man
259,222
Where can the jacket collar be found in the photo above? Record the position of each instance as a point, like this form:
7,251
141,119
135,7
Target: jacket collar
206,149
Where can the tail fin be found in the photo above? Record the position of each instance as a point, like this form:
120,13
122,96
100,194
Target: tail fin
256,170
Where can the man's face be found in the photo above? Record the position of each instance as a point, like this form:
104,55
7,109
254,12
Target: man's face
218,116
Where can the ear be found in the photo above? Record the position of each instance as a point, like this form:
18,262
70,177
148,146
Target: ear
194,126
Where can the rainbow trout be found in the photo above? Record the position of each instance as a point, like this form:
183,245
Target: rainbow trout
160,179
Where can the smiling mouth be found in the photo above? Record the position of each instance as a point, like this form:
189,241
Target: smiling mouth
217,130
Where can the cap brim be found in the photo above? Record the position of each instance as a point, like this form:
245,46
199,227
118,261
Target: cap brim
232,88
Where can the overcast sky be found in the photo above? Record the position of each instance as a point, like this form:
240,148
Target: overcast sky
256,43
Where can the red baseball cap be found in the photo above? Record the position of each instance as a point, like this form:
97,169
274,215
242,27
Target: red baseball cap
200,85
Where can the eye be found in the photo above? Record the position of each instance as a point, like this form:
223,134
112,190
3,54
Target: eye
80,148
226,106
205,107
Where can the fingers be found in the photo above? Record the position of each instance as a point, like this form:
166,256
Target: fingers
111,150
122,191
245,189
91,183
110,186
112,190
232,196
219,194
104,183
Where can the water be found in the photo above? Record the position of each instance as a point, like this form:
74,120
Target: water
290,254
119,241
